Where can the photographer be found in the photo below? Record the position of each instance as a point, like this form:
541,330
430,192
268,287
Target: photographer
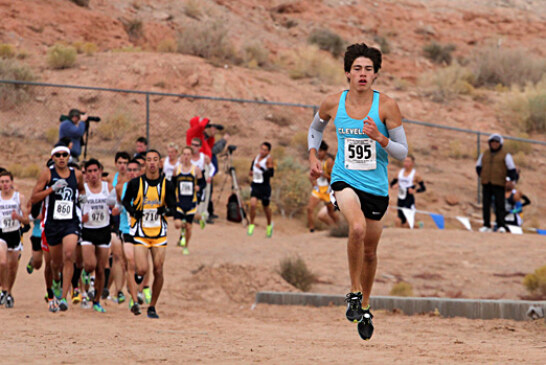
74,127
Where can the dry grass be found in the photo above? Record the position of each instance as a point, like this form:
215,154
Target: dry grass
327,41
516,146
255,55
402,289
341,230
526,107
115,126
25,171
310,62
12,95
447,83
438,53
299,143
383,44
6,50
52,135
60,56
536,282
167,45
494,65
209,41
458,150
295,272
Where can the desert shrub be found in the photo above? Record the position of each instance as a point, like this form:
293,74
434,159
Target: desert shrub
383,43
438,53
84,3
516,146
207,40
327,41
527,107
128,49
447,83
495,65
6,50
458,150
115,126
295,272
193,9
10,94
255,55
311,62
402,289
89,48
167,45
134,29
60,56
536,282
290,187
521,159
52,135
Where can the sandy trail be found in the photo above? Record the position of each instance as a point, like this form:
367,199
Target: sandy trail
206,314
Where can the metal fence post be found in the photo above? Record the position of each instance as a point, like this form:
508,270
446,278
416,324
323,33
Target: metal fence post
478,156
148,118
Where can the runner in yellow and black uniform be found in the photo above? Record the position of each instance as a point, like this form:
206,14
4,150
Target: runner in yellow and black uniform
148,199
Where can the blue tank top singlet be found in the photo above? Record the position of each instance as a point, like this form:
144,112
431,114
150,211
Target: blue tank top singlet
360,162
124,226
115,180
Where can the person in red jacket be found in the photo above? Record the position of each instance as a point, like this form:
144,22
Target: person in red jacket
197,130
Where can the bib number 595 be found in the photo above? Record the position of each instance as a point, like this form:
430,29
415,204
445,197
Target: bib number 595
360,152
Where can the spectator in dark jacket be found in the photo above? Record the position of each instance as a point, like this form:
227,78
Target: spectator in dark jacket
493,167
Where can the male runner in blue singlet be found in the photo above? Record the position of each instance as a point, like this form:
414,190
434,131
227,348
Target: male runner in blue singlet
369,128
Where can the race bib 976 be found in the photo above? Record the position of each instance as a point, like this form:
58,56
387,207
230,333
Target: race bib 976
360,154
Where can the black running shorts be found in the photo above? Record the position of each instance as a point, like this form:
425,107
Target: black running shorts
261,192
36,243
184,216
12,239
373,206
409,202
56,231
99,237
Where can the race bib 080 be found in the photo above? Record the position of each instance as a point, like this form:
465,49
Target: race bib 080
186,188
258,177
63,209
360,154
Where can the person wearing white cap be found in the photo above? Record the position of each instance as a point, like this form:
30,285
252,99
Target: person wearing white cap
61,188
493,166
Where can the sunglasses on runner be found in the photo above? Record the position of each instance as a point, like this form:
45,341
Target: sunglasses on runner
64,154
196,145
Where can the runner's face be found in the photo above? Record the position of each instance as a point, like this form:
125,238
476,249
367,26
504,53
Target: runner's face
6,183
195,147
60,159
172,152
121,165
361,76
321,154
133,170
93,174
152,162
264,151
408,163
186,156
140,147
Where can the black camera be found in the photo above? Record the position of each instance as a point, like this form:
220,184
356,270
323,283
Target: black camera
93,119
231,148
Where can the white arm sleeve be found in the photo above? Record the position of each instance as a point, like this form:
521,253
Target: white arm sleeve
509,161
314,137
398,145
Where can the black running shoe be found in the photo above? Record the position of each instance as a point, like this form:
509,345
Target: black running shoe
354,307
152,313
135,309
9,301
105,293
3,296
365,327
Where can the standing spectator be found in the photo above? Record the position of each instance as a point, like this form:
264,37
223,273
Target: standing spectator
493,166
197,130
141,146
74,128
217,148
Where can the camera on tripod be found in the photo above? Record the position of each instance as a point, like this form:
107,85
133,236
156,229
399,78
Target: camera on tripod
76,113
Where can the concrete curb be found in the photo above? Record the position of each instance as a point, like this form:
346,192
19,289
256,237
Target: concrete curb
469,308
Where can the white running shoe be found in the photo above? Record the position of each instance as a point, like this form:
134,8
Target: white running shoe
485,229
501,230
